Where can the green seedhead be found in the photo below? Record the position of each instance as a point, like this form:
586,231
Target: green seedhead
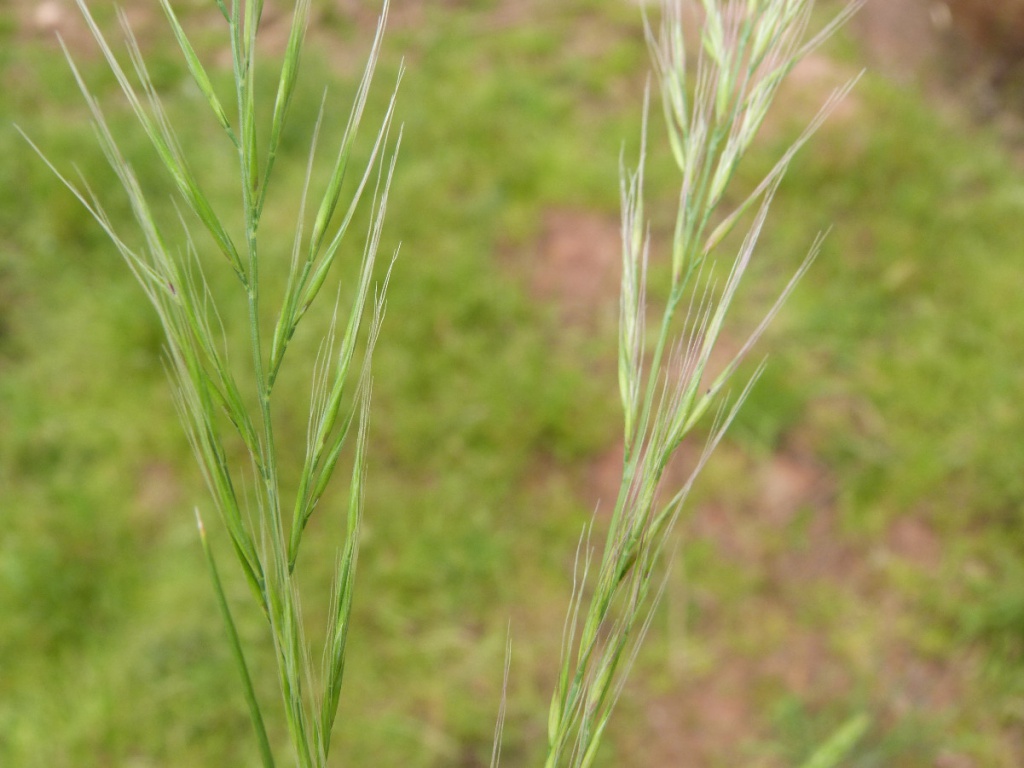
218,407
712,115
746,49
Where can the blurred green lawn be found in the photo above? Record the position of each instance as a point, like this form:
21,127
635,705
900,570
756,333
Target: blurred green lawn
855,546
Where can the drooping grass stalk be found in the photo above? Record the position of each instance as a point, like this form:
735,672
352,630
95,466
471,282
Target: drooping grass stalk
712,115
211,400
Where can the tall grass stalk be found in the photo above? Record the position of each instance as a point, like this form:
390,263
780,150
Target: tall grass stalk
712,113
264,527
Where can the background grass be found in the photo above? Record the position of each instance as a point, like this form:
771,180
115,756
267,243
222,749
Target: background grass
855,547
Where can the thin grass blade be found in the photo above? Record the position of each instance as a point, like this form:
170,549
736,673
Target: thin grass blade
198,72
266,754
840,744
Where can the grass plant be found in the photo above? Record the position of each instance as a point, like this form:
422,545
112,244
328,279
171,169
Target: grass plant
665,380
214,405
712,118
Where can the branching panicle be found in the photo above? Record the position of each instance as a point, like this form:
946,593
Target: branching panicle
209,398
746,49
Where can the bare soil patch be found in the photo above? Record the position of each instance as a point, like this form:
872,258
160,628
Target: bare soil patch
771,642
576,266
899,36
45,22
968,54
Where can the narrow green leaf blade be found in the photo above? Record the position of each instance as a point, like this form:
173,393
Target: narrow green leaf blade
266,754
840,744
197,70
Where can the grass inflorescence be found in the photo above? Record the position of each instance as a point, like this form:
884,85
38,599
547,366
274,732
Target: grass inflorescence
746,49
907,406
213,404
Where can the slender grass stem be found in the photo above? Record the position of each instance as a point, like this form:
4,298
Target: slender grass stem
747,47
266,754
207,392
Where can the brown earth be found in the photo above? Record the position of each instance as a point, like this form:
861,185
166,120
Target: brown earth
996,28
575,266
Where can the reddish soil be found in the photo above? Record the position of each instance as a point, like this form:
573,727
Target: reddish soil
576,266
997,28
770,642
898,36
49,19
964,53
